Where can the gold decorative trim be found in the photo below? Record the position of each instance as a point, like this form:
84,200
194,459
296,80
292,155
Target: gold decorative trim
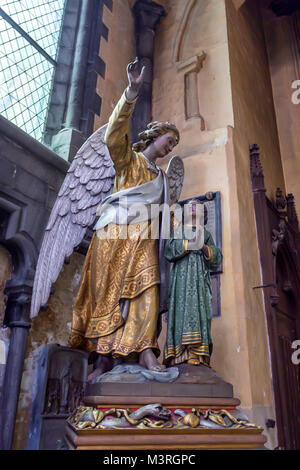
156,417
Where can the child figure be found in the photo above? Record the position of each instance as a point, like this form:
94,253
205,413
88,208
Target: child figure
190,294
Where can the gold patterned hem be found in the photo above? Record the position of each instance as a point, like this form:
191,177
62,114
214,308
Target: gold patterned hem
139,331
135,285
122,350
114,348
101,326
78,341
134,336
193,354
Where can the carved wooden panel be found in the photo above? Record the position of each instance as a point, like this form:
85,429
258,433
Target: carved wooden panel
279,248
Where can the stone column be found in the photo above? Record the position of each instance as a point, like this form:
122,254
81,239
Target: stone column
147,15
17,319
70,138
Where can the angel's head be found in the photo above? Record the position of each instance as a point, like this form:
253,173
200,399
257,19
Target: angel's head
158,139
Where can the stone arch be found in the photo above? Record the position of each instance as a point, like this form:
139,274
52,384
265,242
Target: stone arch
182,30
189,63
18,241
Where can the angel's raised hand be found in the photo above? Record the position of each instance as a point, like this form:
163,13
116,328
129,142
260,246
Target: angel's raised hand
135,79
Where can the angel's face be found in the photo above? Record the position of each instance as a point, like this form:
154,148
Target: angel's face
164,144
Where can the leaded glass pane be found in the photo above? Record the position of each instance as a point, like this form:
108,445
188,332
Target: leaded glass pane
41,19
25,74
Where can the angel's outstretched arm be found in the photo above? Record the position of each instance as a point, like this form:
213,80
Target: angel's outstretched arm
117,134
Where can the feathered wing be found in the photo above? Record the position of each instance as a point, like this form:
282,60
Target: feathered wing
88,181
175,173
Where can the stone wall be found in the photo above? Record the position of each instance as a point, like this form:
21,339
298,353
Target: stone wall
5,274
254,122
49,327
30,177
254,113
116,52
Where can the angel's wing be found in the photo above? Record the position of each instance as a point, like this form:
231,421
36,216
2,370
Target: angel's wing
89,180
175,173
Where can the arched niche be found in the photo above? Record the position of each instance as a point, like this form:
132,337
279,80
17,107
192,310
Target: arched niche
198,29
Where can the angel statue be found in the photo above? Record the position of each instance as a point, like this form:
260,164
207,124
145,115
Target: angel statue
122,288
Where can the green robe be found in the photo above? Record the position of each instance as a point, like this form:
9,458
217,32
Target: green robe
190,307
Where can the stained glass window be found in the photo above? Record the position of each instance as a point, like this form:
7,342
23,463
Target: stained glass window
29,36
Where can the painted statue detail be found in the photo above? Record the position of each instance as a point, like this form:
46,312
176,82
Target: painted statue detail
157,416
117,306
190,311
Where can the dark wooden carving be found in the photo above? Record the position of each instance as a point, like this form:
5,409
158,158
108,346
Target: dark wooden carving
66,382
279,248
61,379
291,212
284,7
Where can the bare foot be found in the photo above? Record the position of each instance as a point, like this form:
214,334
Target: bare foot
103,364
148,360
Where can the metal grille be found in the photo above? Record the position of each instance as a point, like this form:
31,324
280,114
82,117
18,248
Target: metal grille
27,53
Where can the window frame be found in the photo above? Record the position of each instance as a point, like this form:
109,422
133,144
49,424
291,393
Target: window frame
29,40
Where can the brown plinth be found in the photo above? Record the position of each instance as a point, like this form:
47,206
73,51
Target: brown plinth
165,439
169,402
193,381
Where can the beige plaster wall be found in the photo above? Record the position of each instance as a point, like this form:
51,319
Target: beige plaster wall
254,122
283,46
254,113
235,100
194,20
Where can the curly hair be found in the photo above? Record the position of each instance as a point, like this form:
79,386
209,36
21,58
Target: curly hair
154,130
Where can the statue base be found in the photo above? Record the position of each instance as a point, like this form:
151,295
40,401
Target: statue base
196,411
193,381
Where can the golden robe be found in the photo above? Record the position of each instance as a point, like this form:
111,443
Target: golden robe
117,269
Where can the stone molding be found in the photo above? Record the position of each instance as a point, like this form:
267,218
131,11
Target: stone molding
189,68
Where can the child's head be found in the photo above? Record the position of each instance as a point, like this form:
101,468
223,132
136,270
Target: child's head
194,203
